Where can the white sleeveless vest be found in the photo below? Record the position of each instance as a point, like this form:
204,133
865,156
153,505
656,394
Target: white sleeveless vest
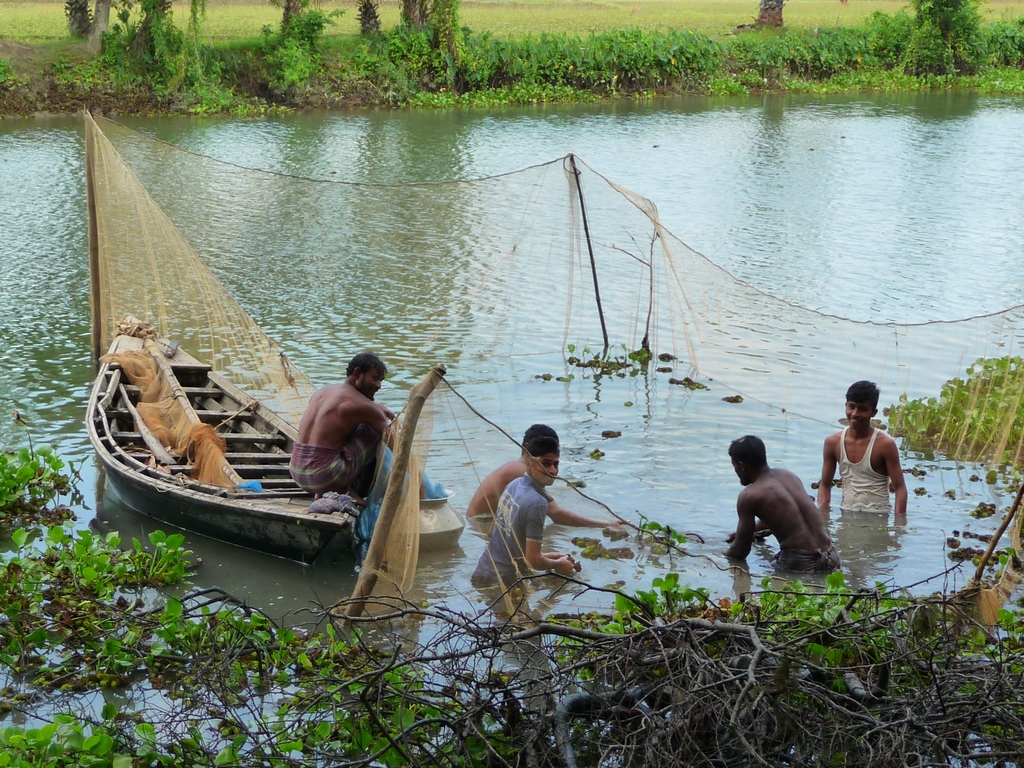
864,490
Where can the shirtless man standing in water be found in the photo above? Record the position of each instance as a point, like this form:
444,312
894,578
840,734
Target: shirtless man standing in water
775,500
485,501
341,430
868,459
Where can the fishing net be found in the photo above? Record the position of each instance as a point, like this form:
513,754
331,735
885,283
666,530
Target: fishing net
551,273
143,267
165,411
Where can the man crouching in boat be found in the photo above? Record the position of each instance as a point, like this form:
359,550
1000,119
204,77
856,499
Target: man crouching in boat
774,500
341,430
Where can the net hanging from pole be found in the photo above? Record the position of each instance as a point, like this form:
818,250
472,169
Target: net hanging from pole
495,278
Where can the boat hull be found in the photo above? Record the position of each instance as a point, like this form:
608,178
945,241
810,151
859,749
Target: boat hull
276,533
276,521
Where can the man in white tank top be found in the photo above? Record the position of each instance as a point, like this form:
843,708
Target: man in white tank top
867,458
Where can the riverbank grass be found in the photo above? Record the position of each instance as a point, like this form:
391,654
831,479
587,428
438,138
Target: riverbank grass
45,22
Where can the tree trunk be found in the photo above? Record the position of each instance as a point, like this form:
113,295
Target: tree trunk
77,12
100,22
414,14
291,8
158,10
445,17
770,14
369,18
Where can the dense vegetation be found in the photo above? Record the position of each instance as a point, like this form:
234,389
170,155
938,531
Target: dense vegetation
974,418
149,63
669,677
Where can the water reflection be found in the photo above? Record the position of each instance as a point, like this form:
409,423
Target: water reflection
803,196
869,545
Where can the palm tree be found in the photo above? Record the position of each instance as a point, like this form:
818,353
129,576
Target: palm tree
770,14
291,8
79,17
414,13
369,19
155,11
100,22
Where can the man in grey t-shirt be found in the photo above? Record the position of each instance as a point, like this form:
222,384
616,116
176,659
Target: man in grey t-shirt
515,544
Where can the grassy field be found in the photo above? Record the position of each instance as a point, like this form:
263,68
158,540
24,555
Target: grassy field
234,19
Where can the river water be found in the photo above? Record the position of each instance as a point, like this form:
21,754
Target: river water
885,208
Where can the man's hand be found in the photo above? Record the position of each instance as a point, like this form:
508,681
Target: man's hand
388,413
730,538
563,564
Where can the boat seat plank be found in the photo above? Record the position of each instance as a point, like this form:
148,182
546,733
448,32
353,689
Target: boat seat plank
240,457
249,471
190,367
192,392
123,438
207,417
283,483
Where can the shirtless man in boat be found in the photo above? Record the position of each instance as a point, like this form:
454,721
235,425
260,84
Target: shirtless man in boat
485,500
341,430
868,459
775,500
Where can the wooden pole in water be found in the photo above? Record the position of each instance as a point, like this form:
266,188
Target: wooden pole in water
590,248
94,242
393,495
998,535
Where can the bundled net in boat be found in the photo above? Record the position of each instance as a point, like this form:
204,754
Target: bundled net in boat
164,410
552,272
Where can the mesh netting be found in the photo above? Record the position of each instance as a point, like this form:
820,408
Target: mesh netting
143,267
551,268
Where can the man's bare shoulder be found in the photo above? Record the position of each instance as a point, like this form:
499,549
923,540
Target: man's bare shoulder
753,495
832,444
885,439
887,446
506,473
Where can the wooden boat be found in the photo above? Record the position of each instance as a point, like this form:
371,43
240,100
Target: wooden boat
148,479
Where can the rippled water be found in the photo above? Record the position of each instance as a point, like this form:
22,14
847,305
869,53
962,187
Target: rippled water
875,207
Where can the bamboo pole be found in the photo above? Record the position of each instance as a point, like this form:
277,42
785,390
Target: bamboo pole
94,249
590,249
393,495
998,535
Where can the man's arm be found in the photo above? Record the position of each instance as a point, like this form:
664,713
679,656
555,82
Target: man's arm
563,516
744,535
828,469
551,561
891,455
364,412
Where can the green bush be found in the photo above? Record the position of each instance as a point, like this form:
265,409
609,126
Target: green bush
947,37
1003,43
622,59
888,37
7,78
294,55
810,54
970,417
